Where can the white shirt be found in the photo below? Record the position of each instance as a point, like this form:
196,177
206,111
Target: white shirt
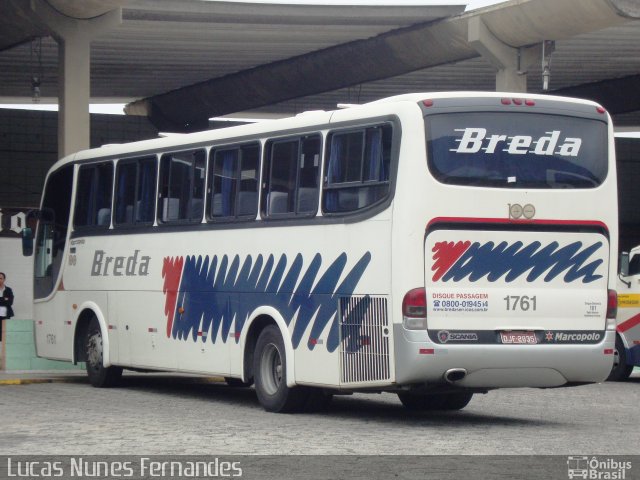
3,310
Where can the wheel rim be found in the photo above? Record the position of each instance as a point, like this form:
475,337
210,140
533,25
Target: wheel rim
271,369
94,351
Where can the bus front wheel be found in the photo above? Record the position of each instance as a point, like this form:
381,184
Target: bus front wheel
99,375
620,370
269,370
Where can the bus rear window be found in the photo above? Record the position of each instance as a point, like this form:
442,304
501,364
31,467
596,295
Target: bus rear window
517,150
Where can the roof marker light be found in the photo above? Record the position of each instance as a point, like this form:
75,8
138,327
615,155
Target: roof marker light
517,101
506,101
529,103
428,103
599,109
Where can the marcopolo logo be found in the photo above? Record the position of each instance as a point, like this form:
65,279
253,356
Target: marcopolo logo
474,140
573,337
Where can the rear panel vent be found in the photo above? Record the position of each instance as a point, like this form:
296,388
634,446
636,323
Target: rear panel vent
364,339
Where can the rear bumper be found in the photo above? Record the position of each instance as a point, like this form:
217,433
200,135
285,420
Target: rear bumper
419,361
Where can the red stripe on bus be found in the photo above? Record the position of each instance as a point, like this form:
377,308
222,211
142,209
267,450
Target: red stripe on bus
172,273
629,324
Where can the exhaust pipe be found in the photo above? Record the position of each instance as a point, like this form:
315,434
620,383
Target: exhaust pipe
454,375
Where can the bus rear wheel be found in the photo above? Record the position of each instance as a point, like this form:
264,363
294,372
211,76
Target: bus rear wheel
457,401
269,369
99,375
620,371
431,402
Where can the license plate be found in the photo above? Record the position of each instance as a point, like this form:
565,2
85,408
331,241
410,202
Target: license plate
519,338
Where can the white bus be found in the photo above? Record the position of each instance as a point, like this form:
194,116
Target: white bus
627,353
432,245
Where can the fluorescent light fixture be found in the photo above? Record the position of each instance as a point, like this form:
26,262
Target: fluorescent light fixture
107,108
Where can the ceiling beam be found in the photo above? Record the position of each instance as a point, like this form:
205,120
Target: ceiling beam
607,93
517,23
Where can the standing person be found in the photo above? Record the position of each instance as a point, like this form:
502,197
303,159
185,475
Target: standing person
6,300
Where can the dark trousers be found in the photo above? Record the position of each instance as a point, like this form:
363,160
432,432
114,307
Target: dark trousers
1,322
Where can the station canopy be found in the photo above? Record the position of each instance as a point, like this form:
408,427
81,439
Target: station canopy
180,62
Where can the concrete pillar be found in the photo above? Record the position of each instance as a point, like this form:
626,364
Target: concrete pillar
74,79
511,63
74,93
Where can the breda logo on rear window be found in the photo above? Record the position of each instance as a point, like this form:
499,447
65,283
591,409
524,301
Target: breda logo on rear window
474,140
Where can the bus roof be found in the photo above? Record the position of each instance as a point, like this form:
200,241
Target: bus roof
302,120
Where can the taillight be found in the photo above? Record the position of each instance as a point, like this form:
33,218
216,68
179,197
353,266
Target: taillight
612,304
414,309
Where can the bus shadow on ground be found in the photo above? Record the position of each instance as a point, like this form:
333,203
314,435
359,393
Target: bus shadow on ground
384,408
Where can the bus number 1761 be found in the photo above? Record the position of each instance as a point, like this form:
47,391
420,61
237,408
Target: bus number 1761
523,303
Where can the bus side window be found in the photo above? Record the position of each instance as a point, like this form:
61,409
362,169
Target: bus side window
93,197
135,191
181,194
52,231
309,175
357,168
247,203
233,183
291,180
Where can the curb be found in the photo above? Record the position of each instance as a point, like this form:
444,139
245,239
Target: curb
29,381
84,379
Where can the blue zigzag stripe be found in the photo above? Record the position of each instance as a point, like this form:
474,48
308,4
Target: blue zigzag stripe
218,291
512,261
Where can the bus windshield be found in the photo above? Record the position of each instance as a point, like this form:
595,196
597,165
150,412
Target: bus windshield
517,150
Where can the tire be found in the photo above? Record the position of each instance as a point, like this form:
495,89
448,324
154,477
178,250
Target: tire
99,376
236,382
422,402
269,370
426,402
620,371
457,401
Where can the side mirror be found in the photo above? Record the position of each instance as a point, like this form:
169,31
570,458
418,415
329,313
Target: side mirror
624,264
27,242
